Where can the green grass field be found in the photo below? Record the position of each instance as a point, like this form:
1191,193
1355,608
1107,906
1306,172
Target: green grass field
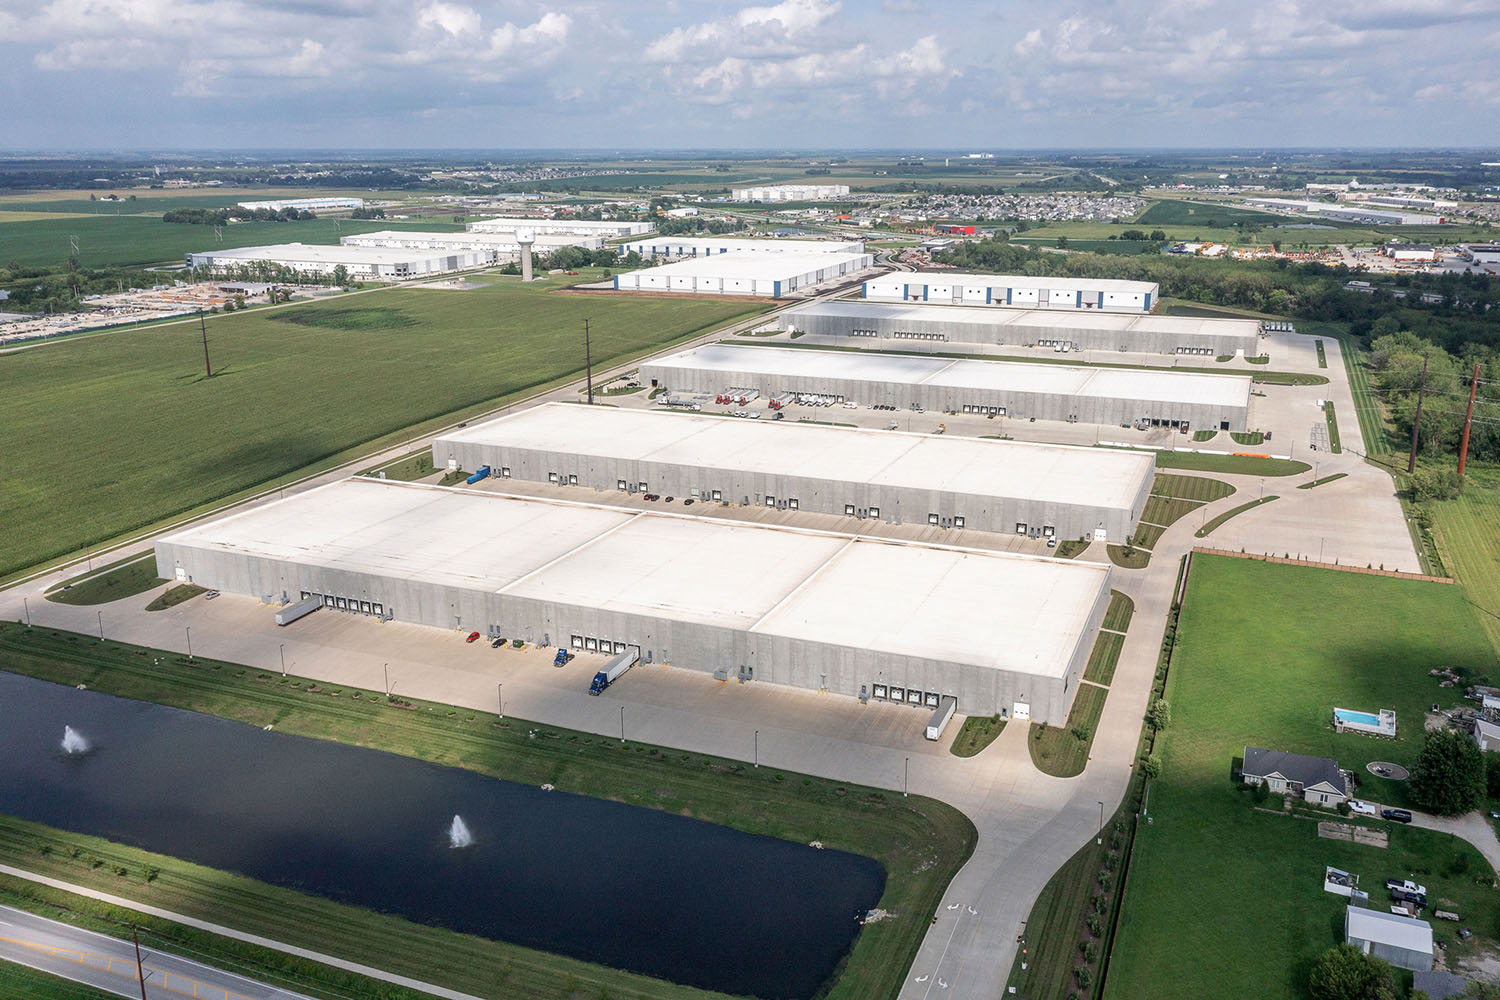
105,240
920,841
1117,616
1469,542
978,732
1219,519
134,577
19,981
1174,213
1061,751
292,388
1376,430
1221,894
1229,464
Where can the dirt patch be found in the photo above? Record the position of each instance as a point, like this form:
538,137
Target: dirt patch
1357,834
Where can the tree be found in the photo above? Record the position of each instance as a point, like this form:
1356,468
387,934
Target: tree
1159,714
1151,765
341,275
1346,973
1435,484
1492,775
1449,777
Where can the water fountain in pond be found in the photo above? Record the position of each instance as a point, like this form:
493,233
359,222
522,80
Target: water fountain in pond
458,834
73,742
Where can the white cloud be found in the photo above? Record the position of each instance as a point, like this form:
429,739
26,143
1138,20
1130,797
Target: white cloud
751,31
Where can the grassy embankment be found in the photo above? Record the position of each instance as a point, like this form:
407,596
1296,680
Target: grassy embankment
130,576
20,981
1220,892
921,842
1172,498
294,390
1217,520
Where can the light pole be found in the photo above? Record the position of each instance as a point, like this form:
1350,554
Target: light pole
500,693
283,659
27,606
622,723
101,626
188,629
1101,823
757,748
386,667
905,774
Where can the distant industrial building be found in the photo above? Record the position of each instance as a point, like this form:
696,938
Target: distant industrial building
1014,290
609,229
708,246
1417,203
789,192
917,326
1481,253
761,274
1410,253
955,229
361,263
306,204
823,611
1002,388
497,245
1345,212
951,482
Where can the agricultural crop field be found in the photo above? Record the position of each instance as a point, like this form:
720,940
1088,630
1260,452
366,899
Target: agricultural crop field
1220,893
146,436
1467,540
106,240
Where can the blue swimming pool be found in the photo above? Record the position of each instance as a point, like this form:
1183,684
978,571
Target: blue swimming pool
1363,718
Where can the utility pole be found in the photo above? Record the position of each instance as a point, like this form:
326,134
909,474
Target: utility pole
1416,424
140,973
1463,448
588,361
208,371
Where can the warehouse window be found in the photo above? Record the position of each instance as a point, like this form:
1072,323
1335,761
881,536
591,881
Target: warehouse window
551,477
874,511
914,697
958,522
848,510
932,699
932,519
577,642
1020,527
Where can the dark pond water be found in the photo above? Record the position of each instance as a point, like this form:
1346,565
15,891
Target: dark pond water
620,885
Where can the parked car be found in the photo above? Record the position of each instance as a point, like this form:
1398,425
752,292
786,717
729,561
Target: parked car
210,595
497,643
1405,885
688,502
1363,808
473,637
1396,815
1051,541
669,500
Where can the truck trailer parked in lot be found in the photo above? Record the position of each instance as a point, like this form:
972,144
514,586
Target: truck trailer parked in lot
614,669
301,609
942,717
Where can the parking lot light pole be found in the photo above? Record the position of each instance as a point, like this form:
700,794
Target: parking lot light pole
905,774
622,723
1101,823
757,748
386,667
101,626
189,630
500,693
27,605
283,659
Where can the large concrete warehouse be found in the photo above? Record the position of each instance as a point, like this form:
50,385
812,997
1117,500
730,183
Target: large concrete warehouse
367,263
768,274
497,245
608,229
1015,389
704,246
817,610
998,486
1014,290
910,326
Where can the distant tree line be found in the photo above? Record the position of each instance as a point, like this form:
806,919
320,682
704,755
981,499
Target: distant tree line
219,216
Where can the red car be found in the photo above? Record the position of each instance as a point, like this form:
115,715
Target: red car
473,637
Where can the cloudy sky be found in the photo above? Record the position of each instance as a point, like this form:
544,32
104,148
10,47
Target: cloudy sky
699,73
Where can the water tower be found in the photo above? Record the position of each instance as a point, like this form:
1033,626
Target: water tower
525,238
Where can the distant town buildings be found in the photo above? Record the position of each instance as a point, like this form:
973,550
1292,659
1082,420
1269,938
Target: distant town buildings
790,192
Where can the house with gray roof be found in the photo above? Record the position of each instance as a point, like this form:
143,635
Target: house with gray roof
1315,779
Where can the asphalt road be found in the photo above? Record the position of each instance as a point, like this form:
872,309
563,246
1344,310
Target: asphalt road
109,963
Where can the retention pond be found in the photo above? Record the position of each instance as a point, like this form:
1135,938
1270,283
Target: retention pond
624,886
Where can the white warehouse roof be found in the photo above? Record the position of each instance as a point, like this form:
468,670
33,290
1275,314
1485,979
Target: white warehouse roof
1044,472
1391,929
1196,326
690,246
1005,612
757,266
1003,376
1029,281
408,239
293,253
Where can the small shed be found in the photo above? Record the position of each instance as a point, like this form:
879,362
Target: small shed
1404,942
1486,734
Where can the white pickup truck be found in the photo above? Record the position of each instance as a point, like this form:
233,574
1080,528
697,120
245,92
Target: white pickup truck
1363,808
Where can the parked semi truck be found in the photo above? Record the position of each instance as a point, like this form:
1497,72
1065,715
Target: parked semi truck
482,473
292,612
614,669
942,716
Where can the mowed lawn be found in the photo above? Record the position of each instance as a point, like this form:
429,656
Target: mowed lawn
1220,894
107,240
102,435
1468,538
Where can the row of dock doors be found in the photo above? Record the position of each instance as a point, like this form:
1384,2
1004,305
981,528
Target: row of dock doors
909,696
